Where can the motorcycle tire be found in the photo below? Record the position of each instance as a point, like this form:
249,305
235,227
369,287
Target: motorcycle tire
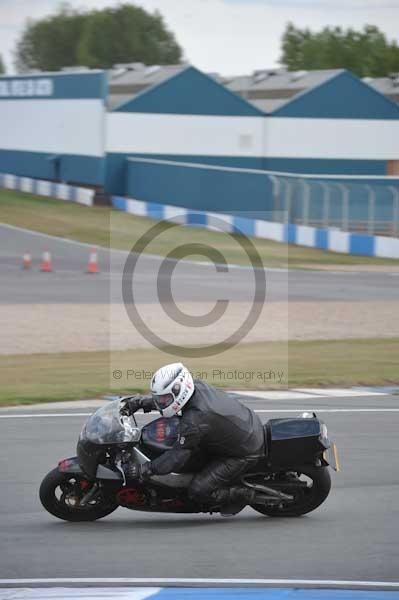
55,506
304,503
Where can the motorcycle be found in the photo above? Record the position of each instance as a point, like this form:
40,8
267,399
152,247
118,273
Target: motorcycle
292,478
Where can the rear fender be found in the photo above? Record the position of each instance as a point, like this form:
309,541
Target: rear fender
70,465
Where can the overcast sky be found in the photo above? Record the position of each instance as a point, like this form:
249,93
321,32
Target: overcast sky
226,36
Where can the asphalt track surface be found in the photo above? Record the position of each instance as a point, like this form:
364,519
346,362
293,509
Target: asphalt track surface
353,536
190,282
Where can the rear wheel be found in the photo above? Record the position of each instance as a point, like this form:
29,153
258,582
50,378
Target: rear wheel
306,498
60,494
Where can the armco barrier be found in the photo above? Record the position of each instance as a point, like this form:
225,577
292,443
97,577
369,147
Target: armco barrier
312,237
40,187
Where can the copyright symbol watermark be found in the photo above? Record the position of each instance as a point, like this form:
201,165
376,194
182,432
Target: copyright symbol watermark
165,298
117,374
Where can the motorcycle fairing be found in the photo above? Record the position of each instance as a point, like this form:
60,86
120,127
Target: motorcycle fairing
70,465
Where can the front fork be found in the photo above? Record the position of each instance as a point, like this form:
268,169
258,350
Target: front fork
94,487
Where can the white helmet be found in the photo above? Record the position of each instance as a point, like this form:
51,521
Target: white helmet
172,387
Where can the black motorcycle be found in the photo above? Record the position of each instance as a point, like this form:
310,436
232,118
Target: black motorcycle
290,480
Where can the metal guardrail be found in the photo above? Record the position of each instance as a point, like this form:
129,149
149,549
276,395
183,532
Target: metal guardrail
355,206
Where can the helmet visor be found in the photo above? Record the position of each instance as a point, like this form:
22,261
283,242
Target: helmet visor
162,401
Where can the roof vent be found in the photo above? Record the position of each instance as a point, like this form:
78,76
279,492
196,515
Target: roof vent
151,70
136,66
296,75
259,76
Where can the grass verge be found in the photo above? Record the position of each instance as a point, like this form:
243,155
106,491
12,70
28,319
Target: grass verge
110,228
34,378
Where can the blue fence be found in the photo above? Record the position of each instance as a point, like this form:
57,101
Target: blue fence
363,204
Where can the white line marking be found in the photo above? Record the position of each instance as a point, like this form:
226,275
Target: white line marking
260,410
339,392
52,237
305,393
110,251
45,415
205,581
329,410
90,593
275,395
190,262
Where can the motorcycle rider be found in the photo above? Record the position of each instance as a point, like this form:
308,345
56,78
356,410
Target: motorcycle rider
212,423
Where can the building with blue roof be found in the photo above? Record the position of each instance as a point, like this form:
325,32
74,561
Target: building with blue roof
84,127
188,117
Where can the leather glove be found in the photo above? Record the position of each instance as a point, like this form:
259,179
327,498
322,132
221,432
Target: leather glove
134,404
137,402
138,472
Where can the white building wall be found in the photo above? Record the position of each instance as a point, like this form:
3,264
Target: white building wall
331,138
258,137
184,134
58,126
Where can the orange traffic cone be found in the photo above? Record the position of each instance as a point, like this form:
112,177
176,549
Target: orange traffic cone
92,266
46,265
26,261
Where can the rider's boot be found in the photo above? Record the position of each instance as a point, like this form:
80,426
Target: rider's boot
233,499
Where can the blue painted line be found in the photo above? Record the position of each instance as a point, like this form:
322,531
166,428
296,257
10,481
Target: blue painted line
321,239
271,594
155,211
290,232
196,218
244,226
364,245
119,202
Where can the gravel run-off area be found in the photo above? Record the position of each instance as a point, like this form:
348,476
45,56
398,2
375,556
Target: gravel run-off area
45,328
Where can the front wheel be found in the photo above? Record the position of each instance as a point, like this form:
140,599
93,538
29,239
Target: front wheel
60,494
307,498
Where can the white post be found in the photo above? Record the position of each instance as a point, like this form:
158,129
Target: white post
276,196
326,203
306,202
288,198
371,210
345,206
395,209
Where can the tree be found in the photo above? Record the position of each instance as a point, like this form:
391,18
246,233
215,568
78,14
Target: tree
97,38
51,43
2,66
366,53
127,34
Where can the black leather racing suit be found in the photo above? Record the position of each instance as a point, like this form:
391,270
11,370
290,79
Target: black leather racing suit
228,433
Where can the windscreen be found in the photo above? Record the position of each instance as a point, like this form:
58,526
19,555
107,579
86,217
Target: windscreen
108,426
